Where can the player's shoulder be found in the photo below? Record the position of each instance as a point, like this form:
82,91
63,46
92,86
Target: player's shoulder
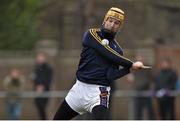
91,34
92,31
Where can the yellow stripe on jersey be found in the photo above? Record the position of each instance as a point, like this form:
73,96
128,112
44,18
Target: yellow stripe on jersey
106,46
118,44
100,41
96,36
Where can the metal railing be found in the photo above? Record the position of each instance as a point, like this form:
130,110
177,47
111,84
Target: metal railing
118,93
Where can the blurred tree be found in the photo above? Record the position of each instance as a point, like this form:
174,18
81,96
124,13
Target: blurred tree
18,24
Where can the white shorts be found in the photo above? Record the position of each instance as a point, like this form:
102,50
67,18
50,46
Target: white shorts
83,97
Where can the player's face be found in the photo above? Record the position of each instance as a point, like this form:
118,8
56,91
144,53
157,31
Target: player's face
112,24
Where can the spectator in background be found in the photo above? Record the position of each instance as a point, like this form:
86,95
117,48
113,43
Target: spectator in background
13,84
165,82
142,81
178,85
42,81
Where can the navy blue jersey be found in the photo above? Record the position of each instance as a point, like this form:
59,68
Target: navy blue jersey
101,63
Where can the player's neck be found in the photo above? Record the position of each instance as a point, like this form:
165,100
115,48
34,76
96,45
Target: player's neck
107,34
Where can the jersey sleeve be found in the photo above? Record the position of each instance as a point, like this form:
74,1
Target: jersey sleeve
116,73
91,39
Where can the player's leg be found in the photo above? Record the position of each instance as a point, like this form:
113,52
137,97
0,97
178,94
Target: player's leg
100,112
65,112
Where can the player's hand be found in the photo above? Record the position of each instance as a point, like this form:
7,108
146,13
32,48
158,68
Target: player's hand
137,65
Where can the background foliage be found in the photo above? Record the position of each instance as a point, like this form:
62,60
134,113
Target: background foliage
18,24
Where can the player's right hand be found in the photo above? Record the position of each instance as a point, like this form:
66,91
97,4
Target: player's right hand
137,65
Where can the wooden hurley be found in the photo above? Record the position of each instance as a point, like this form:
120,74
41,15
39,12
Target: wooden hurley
146,67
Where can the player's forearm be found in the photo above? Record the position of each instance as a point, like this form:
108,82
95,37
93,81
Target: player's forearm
114,74
113,56
116,58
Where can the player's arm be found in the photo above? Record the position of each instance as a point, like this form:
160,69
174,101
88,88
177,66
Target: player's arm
114,73
91,39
